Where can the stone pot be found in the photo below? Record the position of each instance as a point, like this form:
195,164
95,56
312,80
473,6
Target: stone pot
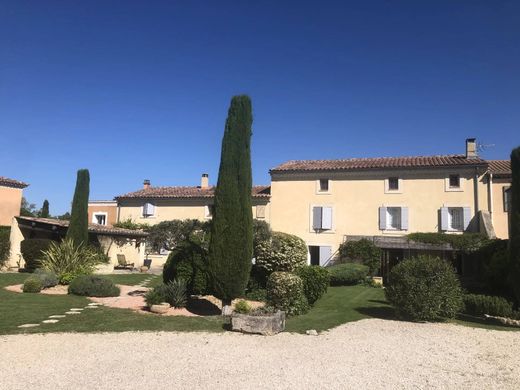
265,324
160,309
143,269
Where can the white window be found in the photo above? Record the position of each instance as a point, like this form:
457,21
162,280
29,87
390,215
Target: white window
393,218
100,218
260,212
455,218
321,218
320,255
148,210
454,181
323,185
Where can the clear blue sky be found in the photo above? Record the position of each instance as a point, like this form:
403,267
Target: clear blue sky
140,89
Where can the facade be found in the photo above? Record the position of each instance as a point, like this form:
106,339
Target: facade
10,199
102,212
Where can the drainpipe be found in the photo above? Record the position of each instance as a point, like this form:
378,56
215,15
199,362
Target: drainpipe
490,196
476,191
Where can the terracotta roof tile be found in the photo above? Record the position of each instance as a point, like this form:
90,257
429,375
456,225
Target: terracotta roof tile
377,163
187,192
500,167
5,181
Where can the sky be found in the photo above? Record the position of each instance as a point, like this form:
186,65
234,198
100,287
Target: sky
137,90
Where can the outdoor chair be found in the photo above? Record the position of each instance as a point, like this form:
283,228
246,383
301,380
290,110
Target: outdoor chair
122,264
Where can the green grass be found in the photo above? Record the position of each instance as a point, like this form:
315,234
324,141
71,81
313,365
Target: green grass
129,279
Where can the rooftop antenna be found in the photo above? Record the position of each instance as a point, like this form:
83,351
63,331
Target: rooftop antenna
484,147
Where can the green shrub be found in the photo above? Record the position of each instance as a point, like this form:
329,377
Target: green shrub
189,263
68,260
48,278
285,292
362,251
153,297
283,252
316,281
174,292
465,242
476,304
424,289
5,244
32,251
347,274
93,286
32,285
493,261
259,294
242,307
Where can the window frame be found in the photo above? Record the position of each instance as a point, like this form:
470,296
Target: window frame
101,213
399,189
507,198
143,215
399,211
447,183
451,228
319,190
332,219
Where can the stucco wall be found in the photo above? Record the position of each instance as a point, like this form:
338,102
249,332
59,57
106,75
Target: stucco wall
10,202
499,215
356,198
109,209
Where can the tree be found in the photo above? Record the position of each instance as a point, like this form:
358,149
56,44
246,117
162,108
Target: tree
231,242
44,212
78,226
27,209
514,233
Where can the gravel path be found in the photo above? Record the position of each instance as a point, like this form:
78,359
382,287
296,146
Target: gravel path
370,354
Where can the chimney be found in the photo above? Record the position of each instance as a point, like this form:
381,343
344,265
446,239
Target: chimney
146,184
471,148
204,181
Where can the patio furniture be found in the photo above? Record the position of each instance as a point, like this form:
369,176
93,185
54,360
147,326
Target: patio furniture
122,264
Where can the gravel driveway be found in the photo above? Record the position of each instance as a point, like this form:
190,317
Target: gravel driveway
365,354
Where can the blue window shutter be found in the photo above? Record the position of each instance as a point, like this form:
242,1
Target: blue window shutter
467,216
326,218
404,218
444,219
382,218
325,254
316,218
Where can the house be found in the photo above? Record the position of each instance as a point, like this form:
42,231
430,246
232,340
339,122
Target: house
10,199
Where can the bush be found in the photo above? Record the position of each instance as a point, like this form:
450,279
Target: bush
478,305
5,244
242,307
68,260
316,281
153,297
285,292
493,259
259,294
93,286
48,278
32,251
173,292
189,263
32,285
347,274
363,251
283,252
424,289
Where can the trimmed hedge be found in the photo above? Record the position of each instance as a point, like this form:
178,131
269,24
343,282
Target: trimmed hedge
424,289
32,252
316,281
347,274
48,278
285,292
478,305
5,244
93,286
32,284
283,252
189,263
362,251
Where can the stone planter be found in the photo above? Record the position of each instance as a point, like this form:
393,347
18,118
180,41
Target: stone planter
265,324
160,309
143,269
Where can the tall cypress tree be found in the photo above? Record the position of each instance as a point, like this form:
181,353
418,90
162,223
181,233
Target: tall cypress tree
44,212
514,231
78,226
231,244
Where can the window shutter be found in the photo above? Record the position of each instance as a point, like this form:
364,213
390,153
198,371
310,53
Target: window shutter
145,209
326,218
404,218
382,218
316,218
444,219
325,254
467,217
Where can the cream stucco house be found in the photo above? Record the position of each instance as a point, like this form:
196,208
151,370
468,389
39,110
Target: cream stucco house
10,199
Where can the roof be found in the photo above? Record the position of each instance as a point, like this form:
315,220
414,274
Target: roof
187,192
5,181
500,167
378,163
107,230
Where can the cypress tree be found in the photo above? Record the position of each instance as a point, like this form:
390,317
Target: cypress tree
231,244
78,226
44,212
514,231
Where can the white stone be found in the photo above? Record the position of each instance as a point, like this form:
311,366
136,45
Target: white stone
312,332
28,325
58,316
91,307
76,309
72,312
94,304
50,321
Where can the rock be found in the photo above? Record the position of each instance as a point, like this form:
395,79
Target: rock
227,310
76,309
58,316
267,325
94,304
28,325
160,309
143,269
50,321
311,332
72,312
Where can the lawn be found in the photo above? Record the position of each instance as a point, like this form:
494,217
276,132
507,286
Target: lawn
338,306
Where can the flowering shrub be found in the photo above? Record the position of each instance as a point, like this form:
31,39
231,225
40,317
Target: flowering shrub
283,252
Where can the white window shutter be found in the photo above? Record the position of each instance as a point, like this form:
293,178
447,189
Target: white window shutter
404,218
467,217
316,218
326,222
325,254
382,218
445,219
151,209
